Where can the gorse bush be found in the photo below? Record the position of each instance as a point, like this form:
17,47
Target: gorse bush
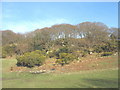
108,47
65,58
62,50
4,54
65,55
51,54
31,59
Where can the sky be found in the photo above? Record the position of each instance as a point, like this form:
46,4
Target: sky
22,17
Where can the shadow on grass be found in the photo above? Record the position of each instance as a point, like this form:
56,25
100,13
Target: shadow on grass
102,83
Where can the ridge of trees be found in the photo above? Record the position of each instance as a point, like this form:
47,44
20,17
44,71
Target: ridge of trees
80,39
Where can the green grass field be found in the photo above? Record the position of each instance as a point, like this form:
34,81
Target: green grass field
106,78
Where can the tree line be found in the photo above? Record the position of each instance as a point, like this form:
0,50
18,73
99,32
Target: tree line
63,41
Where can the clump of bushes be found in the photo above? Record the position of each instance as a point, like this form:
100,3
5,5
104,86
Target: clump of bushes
105,48
55,53
8,50
63,55
65,58
81,53
31,59
62,50
98,49
85,52
4,54
106,54
51,54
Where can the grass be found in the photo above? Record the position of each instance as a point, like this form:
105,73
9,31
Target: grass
106,78
94,79
107,63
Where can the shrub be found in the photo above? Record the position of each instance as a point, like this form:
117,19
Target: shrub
109,47
106,54
8,50
98,49
40,52
4,54
62,50
65,58
60,61
31,59
81,53
85,52
51,54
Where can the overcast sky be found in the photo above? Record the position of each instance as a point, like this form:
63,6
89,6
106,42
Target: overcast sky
27,16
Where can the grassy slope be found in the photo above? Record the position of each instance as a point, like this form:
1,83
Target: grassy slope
107,78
